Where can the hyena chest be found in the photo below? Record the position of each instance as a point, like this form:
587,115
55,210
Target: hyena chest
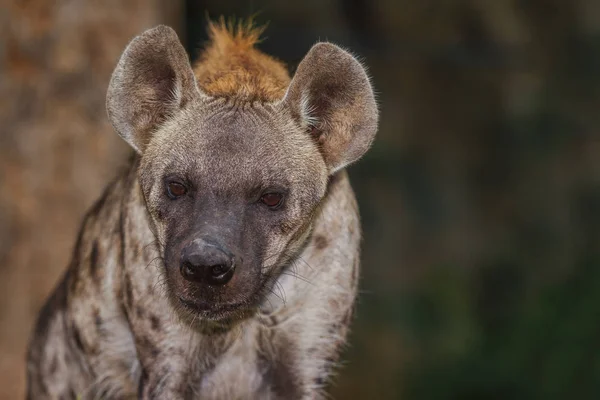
242,372
233,377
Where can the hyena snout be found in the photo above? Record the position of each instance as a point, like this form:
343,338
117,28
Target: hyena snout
207,262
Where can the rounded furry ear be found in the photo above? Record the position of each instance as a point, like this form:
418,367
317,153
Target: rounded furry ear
331,96
152,80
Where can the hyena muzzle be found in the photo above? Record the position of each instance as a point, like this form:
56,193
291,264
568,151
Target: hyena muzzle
223,262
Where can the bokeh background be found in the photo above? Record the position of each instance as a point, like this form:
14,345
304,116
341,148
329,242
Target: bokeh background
480,198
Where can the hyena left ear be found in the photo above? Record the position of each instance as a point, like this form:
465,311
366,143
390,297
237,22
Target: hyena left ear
152,81
332,98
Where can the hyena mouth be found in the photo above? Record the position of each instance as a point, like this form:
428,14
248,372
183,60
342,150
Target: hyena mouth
212,311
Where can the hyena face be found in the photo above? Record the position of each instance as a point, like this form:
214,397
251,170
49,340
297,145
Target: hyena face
231,192
232,184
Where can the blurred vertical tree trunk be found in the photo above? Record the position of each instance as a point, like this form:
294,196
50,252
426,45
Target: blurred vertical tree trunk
57,149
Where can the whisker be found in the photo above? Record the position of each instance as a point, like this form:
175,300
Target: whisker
153,260
305,262
162,282
298,277
281,291
278,296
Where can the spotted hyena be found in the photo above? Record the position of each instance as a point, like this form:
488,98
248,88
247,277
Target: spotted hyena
223,262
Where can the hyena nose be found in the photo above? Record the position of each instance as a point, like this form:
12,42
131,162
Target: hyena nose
205,262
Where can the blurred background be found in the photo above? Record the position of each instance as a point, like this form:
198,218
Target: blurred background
480,198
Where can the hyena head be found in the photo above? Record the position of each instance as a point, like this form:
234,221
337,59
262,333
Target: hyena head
232,182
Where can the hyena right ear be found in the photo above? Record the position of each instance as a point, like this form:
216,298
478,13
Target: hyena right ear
152,81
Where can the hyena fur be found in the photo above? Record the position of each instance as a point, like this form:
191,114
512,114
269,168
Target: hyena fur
223,262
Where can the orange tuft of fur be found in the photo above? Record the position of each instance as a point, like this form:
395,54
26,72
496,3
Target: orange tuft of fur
230,66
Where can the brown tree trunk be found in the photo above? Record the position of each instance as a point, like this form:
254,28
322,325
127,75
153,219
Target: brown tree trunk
57,148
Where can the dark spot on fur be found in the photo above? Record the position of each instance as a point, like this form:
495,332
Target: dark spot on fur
72,394
76,256
329,364
55,303
67,358
100,203
77,339
166,370
124,312
36,387
75,284
146,347
68,395
189,393
279,370
320,381
334,329
122,236
97,319
94,258
352,229
320,242
53,365
143,382
140,311
154,322
128,292
149,387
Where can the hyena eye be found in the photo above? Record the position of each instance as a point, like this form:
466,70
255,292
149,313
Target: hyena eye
176,189
272,200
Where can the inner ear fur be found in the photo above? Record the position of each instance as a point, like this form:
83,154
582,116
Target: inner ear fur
152,80
331,96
